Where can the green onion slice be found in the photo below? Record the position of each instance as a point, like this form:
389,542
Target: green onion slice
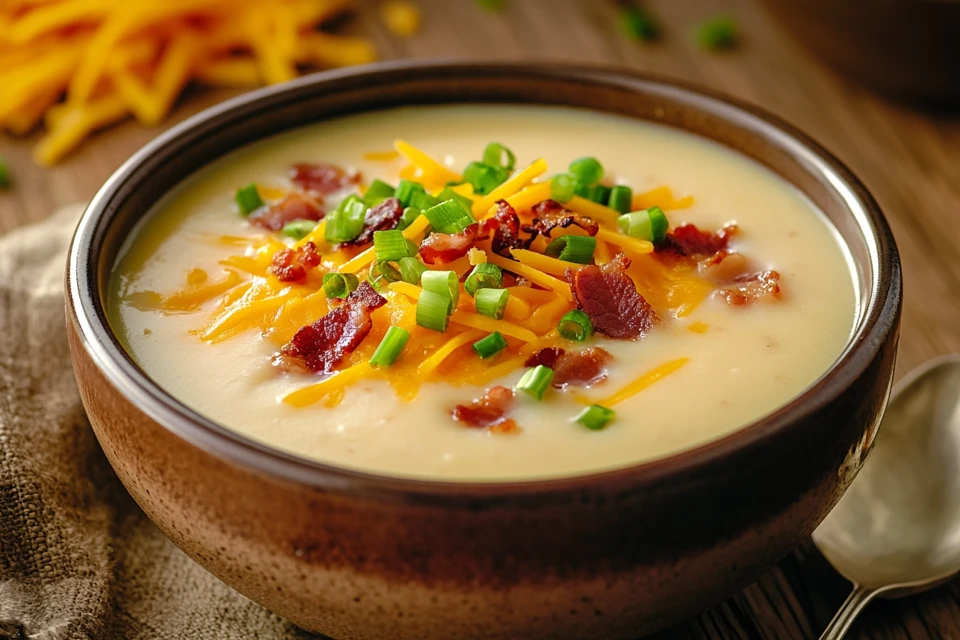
5,173
377,192
563,187
650,224
493,156
620,198
405,191
339,285
484,178
409,215
298,229
638,24
394,340
390,246
492,302
411,269
450,194
433,311
587,170
575,325
577,249
717,33
595,417
659,224
346,221
483,276
423,200
536,381
248,199
490,346
449,217
443,283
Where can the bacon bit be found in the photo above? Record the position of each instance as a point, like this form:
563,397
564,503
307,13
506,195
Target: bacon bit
322,178
747,288
505,226
689,241
581,368
383,217
441,248
488,411
321,346
550,214
608,295
294,207
292,265
724,266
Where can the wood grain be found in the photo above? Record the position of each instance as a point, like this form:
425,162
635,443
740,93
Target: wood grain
909,159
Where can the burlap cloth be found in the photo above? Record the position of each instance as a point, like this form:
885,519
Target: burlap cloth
78,559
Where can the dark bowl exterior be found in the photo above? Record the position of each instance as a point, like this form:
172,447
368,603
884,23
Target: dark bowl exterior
609,555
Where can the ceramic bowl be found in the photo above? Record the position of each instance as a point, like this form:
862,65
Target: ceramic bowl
606,555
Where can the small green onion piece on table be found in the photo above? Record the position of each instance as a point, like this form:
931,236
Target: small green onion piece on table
448,217
390,246
377,192
575,325
339,285
298,229
394,340
4,173
577,249
493,156
536,381
490,346
443,283
492,302
717,33
620,198
248,199
563,187
596,417
483,276
638,24
587,170
433,311
411,269
490,5
346,221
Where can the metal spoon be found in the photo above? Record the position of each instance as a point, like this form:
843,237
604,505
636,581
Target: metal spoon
897,529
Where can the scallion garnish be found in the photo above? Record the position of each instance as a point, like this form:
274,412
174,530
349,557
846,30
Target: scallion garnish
587,170
490,346
298,229
433,310
595,417
409,215
339,285
601,193
377,192
717,33
450,194
442,283
535,381
575,325
423,200
4,173
390,246
650,224
346,221
448,217
411,269
483,276
563,187
484,178
405,191
577,249
493,156
637,24
620,198
248,199
394,340
492,302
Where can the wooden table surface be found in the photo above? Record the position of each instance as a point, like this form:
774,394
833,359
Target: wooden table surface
909,159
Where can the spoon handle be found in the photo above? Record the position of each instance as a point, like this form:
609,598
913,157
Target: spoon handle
849,610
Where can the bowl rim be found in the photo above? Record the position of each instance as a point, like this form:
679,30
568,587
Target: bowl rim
875,324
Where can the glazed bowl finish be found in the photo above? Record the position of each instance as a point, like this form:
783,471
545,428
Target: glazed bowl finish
613,554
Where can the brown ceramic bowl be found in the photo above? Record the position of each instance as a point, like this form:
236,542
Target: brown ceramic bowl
606,555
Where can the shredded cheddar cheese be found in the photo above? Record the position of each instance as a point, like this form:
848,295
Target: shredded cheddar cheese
433,172
534,275
510,187
644,381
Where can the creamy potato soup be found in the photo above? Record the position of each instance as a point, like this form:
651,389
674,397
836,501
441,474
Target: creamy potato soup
484,292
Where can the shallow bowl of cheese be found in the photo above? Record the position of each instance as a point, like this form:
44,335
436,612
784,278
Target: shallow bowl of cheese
484,350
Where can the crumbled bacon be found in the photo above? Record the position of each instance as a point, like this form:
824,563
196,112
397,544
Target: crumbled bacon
383,217
321,346
322,178
608,295
550,214
441,248
488,411
294,207
689,241
723,266
292,265
505,226
747,288
581,368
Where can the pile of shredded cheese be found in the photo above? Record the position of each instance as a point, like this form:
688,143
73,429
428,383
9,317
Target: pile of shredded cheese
79,65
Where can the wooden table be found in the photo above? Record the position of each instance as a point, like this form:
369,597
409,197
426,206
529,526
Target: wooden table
910,160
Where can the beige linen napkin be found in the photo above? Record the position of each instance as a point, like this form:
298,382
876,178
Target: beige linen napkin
78,559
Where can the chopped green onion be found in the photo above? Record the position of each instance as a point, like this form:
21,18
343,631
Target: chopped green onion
394,340
595,417
490,346
717,33
536,381
450,194
620,198
577,249
490,5
587,170
650,224
377,192
433,310
448,217
409,215
575,325
423,200
443,283
346,221
405,191
637,24
492,302
493,156
339,285
563,187
411,269
598,193
298,229
660,224
483,276
390,246
484,177
386,271
248,199
4,173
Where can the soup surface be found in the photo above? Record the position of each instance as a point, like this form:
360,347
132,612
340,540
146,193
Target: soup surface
721,349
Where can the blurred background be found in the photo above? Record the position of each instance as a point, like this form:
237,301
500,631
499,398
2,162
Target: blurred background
85,83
